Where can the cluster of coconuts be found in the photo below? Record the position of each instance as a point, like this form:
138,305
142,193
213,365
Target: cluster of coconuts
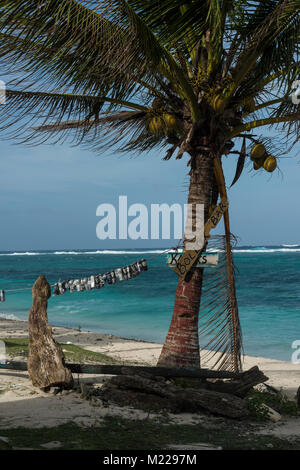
219,101
261,159
162,124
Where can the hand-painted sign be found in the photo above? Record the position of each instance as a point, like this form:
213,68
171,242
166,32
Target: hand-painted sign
216,216
189,257
205,260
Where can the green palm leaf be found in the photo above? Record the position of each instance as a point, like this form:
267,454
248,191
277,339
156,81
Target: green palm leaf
108,40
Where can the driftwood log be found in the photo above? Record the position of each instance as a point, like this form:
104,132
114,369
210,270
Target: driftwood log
167,372
142,390
241,385
46,362
154,393
115,369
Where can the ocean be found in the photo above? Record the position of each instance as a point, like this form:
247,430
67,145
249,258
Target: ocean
267,283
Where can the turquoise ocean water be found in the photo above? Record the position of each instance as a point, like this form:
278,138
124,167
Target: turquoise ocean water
268,290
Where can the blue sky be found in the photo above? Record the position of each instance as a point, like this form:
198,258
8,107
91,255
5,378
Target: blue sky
49,195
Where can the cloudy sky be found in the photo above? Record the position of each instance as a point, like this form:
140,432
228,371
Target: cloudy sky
49,196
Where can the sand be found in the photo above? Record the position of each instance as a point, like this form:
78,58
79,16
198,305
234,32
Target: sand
21,404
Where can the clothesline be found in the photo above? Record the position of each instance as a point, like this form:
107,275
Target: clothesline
96,281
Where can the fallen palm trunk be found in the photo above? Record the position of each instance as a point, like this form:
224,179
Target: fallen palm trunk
167,372
239,384
155,394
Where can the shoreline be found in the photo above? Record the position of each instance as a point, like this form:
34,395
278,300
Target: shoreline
83,330
282,374
124,338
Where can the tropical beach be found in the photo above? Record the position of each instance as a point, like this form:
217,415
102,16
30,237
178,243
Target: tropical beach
281,374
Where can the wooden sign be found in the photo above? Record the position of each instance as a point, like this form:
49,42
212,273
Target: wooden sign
189,257
216,216
205,260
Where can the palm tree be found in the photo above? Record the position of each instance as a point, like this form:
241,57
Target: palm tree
198,77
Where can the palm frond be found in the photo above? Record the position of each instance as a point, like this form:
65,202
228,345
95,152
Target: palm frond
219,325
108,40
240,163
217,18
123,131
277,25
103,51
133,51
173,20
285,121
39,105
31,110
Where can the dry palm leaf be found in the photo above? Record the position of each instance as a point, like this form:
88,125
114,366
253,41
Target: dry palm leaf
240,163
219,318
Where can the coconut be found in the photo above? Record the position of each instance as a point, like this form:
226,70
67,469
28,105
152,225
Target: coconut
170,122
156,125
257,164
270,163
218,103
257,151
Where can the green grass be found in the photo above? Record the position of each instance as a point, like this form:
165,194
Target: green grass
19,347
117,433
278,402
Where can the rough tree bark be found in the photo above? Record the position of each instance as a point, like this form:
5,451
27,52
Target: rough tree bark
241,385
181,347
46,362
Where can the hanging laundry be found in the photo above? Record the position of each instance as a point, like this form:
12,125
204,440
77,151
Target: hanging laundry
92,282
72,286
99,281
144,265
56,289
119,274
139,266
87,284
62,287
125,275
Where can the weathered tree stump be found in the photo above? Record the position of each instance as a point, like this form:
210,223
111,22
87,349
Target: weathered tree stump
46,362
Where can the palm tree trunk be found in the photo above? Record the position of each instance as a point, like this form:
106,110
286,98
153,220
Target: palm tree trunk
181,347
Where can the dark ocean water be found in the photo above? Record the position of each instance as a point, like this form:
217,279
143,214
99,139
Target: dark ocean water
268,290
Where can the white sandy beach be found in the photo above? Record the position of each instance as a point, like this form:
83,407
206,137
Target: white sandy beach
21,404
